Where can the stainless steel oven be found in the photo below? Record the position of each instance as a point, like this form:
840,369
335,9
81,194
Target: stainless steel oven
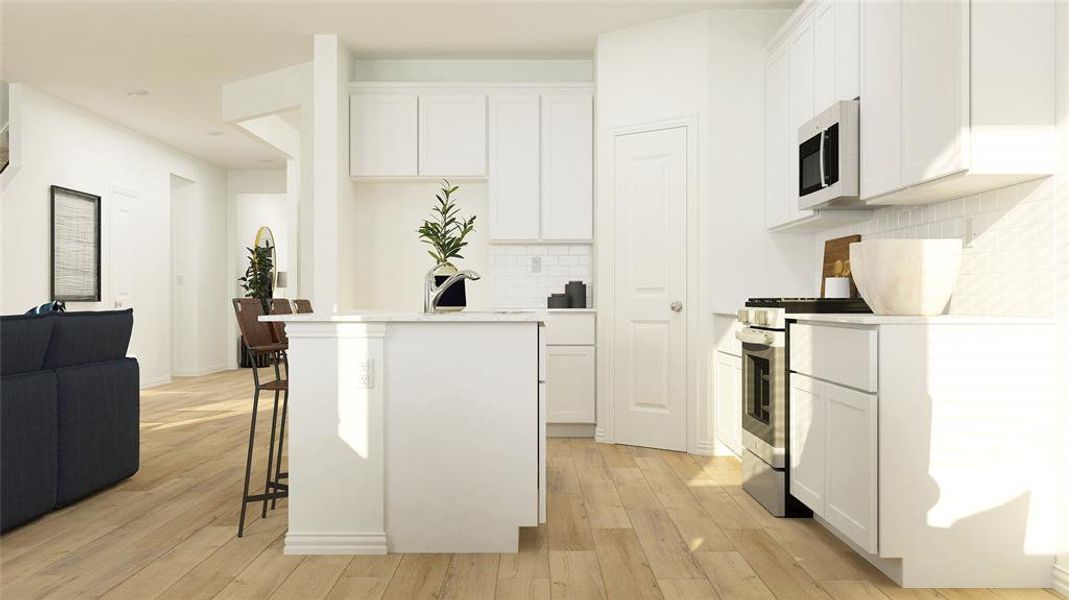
764,393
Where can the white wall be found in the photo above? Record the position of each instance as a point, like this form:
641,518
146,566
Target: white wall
66,146
1061,215
707,65
382,262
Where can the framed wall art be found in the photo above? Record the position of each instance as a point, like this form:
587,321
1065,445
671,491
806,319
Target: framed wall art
75,254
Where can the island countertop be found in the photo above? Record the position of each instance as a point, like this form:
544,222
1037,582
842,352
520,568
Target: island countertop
464,316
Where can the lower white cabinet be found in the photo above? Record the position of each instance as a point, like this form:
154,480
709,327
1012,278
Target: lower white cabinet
833,449
728,380
570,384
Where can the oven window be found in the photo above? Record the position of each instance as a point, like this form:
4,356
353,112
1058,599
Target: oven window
810,179
759,402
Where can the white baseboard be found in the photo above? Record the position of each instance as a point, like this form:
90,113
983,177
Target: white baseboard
704,448
335,543
568,430
1061,579
601,436
200,371
154,381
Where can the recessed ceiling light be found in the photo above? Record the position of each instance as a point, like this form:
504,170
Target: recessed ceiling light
214,133
137,93
267,160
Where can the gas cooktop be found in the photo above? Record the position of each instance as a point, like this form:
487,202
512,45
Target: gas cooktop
812,305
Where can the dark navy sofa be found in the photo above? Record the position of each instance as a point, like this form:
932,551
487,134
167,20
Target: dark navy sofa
69,409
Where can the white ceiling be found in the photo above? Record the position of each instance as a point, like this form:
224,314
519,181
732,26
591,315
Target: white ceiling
92,54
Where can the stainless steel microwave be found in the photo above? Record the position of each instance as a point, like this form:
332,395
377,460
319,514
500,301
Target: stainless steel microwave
828,159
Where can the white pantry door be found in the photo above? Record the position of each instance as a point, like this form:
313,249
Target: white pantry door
650,188
122,248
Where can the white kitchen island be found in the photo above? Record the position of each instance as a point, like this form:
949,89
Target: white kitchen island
414,432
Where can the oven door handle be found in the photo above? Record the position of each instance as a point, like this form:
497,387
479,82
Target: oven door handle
749,335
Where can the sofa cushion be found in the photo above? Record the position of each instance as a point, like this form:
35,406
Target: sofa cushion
27,447
24,343
98,426
89,337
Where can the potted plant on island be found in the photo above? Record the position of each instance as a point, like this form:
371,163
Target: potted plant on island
446,233
257,284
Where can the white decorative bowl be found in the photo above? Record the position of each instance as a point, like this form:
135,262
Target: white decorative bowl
906,277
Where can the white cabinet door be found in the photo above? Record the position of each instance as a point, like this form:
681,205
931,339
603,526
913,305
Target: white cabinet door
728,381
452,135
802,106
383,135
777,141
825,34
567,167
514,167
570,384
881,97
850,493
807,446
935,98
847,49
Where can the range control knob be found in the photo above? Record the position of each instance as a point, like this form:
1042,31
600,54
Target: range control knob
743,315
760,317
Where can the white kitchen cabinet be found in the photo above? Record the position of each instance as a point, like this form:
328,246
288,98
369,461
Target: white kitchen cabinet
778,192
728,380
808,436
452,135
946,110
850,482
514,185
935,110
567,167
881,93
810,65
825,37
570,384
383,135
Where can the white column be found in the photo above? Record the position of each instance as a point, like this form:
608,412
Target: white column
336,501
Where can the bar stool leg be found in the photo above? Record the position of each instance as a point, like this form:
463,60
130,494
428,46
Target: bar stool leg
270,455
248,460
281,440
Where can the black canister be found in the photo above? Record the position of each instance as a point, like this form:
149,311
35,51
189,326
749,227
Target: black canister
557,301
576,292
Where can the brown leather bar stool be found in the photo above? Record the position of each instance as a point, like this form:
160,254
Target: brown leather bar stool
303,306
281,306
260,340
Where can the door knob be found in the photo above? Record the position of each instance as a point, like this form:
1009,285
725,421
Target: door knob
677,306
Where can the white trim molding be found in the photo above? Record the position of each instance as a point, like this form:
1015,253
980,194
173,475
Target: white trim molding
368,543
1061,579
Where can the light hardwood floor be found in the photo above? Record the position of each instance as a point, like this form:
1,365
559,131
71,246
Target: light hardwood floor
623,523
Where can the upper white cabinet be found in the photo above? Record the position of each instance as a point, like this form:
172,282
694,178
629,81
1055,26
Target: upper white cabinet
515,133
811,64
881,90
567,166
452,135
383,134
956,97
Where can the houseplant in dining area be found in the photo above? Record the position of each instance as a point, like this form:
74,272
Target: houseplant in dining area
446,233
257,283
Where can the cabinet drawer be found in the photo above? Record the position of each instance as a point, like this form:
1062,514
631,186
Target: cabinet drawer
843,355
563,329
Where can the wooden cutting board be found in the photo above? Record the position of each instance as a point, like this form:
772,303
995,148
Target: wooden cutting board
838,250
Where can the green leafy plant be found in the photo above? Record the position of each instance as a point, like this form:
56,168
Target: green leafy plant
257,279
446,232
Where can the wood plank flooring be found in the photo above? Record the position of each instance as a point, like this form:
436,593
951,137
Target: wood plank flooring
623,523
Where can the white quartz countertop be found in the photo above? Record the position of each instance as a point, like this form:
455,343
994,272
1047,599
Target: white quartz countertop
870,319
464,316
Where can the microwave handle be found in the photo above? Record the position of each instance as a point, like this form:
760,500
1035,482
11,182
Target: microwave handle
823,172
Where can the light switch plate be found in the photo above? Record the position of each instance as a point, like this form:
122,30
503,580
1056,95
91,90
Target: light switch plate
536,265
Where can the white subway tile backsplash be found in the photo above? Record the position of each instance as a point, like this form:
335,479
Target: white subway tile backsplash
515,286
1008,266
